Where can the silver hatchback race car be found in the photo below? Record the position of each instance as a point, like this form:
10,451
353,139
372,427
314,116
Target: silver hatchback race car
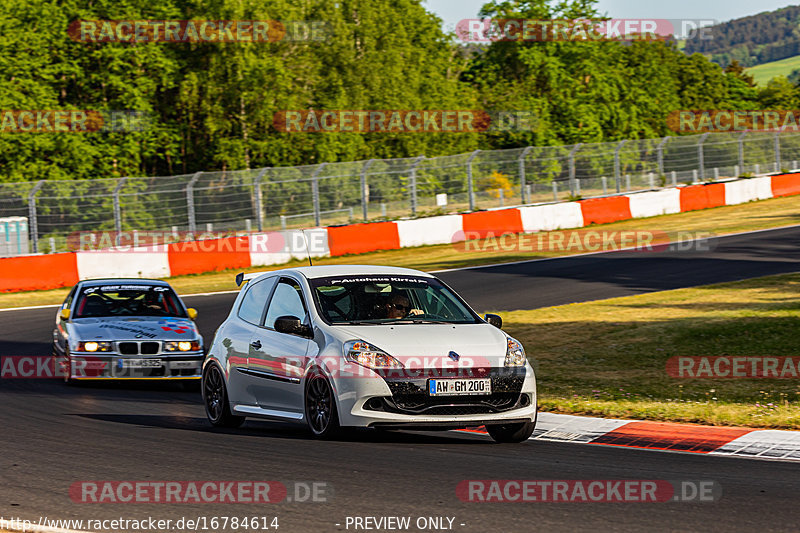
126,329
365,346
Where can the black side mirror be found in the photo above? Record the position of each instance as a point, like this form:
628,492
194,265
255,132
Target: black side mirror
292,325
494,320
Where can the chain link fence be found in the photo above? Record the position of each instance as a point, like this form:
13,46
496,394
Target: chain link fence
384,189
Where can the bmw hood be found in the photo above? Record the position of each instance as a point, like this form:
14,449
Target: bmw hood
425,345
133,328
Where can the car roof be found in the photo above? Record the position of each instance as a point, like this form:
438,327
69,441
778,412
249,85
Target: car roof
325,271
126,281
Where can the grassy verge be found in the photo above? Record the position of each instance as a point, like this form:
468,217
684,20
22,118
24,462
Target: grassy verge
720,220
608,358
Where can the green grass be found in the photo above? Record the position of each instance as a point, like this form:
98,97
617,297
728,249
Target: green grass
766,71
608,358
764,214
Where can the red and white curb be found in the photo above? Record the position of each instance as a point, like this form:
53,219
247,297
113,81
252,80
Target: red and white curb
668,436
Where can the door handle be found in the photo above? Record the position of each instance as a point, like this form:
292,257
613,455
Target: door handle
256,345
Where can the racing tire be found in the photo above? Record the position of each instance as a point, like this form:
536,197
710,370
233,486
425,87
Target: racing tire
320,410
215,400
511,433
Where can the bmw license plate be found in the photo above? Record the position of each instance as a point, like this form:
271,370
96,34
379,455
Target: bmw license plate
459,387
140,363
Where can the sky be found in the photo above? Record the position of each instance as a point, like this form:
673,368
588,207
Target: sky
451,11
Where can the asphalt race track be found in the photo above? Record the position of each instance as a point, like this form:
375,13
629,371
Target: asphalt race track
53,435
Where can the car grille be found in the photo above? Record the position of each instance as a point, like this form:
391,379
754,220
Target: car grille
411,397
137,348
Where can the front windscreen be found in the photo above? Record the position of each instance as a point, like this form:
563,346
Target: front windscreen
128,300
388,299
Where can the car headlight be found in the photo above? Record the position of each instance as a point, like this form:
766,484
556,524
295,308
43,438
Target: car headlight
94,346
182,346
365,354
515,353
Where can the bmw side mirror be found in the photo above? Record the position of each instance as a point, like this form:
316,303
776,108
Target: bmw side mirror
494,320
292,325
64,314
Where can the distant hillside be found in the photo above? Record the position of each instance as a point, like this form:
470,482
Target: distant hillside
753,40
784,67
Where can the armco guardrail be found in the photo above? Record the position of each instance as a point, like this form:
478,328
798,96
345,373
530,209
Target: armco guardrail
385,189
258,249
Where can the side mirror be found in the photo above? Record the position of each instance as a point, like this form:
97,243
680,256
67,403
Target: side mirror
494,320
192,312
64,314
292,325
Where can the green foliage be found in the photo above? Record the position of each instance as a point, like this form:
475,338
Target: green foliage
212,105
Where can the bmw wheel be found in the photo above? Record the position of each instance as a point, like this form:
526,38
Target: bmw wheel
215,399
320,407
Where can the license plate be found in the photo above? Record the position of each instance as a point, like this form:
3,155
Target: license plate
459,387
140,363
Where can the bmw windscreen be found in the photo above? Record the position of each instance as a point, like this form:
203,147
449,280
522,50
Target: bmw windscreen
128,300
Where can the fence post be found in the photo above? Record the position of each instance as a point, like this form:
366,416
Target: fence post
315,193
660,154
604,181
33,223
777,151
190,202
617,171
413,184
573,187
701,156
364,199
259,202
555,190
469,180
741,150
118,210
522,184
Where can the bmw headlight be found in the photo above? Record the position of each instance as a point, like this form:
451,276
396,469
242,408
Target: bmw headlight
182,346
365,354
515,353
94,346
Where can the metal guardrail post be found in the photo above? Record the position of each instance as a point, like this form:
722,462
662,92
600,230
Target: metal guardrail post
315,193
573,187
190,202
258,200
470,193
364,197
413,184
777,151
118,210
617,166
701,159
741,150
522,183
33,223
660,154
